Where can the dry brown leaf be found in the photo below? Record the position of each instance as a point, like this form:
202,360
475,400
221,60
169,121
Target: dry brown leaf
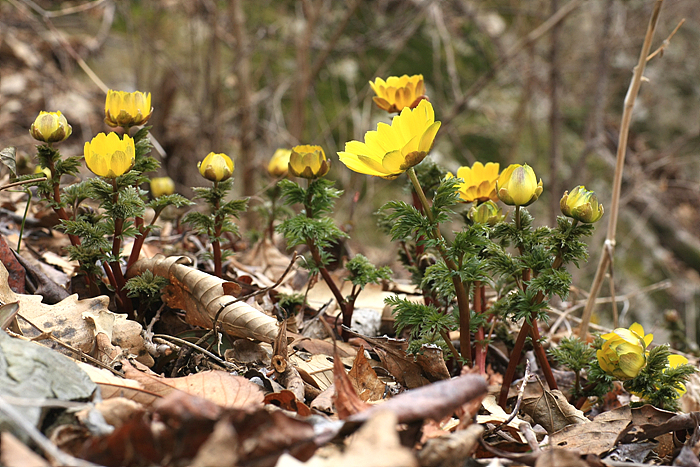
114,386
550,409
432,362
365,380
596,437
13,453
376,444
560,457
319,367
218,387
201,295
451,449
345,398
65,321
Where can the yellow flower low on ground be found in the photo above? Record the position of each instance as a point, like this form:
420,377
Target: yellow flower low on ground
479,182
392,149
108,156
308,161
581,205
127,109
50,127
517,185
623,354
161,186
216,167
279,163
673,362
397,93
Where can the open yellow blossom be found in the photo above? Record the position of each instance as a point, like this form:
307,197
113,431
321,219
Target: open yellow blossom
517,185
127,109
50,127
216,167
479,182
308,161
392,149
581,205
623,354
279,164
109,156
395,94
673,362
161,186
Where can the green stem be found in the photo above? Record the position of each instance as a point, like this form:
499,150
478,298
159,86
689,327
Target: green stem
216,244
118,277
460,290
24,218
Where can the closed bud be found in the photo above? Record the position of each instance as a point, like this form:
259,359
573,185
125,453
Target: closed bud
581,205
50,127
308,161
279,164
486,213
216,167
517,185
162,186
623,354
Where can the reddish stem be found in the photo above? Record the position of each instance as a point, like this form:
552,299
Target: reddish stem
480,346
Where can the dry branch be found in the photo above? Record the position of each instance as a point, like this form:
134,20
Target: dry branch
202,297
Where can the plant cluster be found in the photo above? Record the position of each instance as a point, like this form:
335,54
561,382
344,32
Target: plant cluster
523,264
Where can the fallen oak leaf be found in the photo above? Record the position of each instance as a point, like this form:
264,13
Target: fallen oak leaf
365,380
218,387
596,437
202,297
347,402
65,322
550,408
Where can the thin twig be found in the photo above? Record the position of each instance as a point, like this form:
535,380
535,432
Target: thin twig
22,182
177,340
609,248
521,393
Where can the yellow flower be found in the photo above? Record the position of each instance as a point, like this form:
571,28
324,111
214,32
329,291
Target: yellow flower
216,167
391,150
162,186
479,182
108,156
517,185
308,161
126,109
395,94
50,127
486,213
279,164
623,354
581,205
673,362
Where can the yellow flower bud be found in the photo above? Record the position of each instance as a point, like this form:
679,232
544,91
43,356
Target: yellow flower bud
395,94
50,127
126,109
279,164
518,186
162,186
308,161
623,354
581,205
109,156
486,213
216,167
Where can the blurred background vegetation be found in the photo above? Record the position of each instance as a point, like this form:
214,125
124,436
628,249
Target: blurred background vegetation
537,81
